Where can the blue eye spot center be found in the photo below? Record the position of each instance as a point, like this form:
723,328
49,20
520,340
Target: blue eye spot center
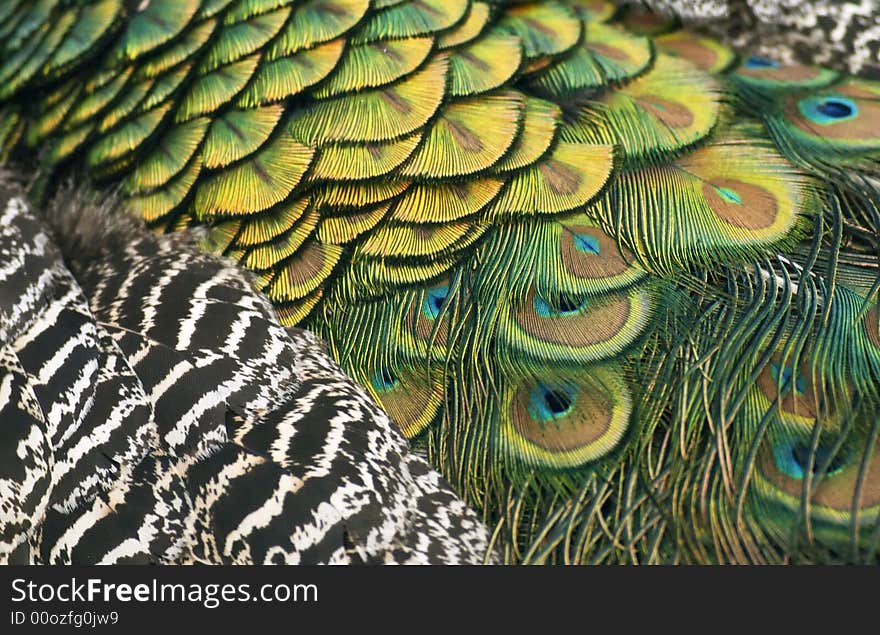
549,402
828,109
729,195
587,244
434,299
783,377
756,61
793,459
835,108
384,380
561,307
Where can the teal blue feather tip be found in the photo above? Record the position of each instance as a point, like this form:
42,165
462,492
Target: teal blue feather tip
384,380
825,110
793,459
434,299
550,402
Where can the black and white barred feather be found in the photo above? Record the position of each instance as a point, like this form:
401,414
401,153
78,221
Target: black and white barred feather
153,411
843,34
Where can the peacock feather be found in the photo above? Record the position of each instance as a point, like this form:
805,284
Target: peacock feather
617,281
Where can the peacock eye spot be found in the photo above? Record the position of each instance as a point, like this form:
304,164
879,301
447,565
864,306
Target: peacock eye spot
561,307
835,108
434,299
547,402
756,61
384,380
783,376
828,110
729,195
558,403
800,455
585,243
567,305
